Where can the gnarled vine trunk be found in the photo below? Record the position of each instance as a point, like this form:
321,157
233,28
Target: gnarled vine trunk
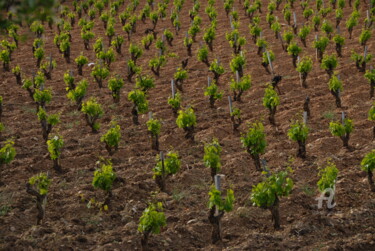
144,241
275,214
216,226
41,201
271,117
256,160
135,115
235,123
301,149
189,132
345,140
370,180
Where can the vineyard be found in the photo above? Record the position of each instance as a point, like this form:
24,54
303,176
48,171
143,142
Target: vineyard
189,125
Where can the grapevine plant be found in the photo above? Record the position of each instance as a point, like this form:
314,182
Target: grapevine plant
17,73
7,153
329,64
103,179
78,92
370,75
294,50
361,60
81,60
267,194
179,77
298,132
368,165
100,73
145,83
328,177
371,117
320,45
165,167
187,120
47,122
238,86
342,129
140,104
217,69
235,117
304,66
212,91
47,67
271,101
267,56
151,222
335,86
114,85
156,63
112,138
175,102
153,127
55,145
38,186
237,64
254,141
339,43
221,205
93,111
211,157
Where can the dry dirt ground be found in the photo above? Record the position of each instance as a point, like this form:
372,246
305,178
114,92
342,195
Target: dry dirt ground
69,224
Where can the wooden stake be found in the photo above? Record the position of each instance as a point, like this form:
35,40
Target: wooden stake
162,164
218,182
316,50
217,178
305,118
230,105
300,75
173,90
264,167
50,61
281,40
368,16
270,62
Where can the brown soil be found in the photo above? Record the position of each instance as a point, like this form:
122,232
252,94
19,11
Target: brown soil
69,224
